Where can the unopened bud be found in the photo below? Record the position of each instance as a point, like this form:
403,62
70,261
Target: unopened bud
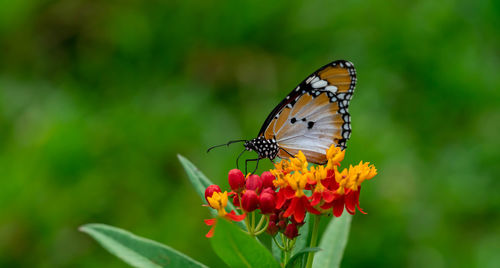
254,182
249,201
267,180
210,191
236,180
267,203
291,231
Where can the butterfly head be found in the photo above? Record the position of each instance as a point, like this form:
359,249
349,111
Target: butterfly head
265,148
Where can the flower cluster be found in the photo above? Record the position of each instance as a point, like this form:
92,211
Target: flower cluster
249,194
330,189
285,194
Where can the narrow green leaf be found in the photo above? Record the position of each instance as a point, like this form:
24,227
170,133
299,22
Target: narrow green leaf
135,250
333,242
299,259
200,182
301,241
238,249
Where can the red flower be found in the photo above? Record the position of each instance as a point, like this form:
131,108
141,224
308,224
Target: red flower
352,201
298,208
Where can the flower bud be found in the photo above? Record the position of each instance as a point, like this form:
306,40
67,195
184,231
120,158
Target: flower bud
236,180
272,228
210,191
254,182
236,200
269,191
282,225
267,180
273,217
291,231
267,203
249,201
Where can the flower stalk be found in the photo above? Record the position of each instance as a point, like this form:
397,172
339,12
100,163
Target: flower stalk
314,240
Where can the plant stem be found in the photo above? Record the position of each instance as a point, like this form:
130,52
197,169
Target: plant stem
314,240
247,223
278,244
258,232
286,253
261,221
253,222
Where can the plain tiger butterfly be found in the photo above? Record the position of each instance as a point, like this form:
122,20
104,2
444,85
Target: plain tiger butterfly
311,118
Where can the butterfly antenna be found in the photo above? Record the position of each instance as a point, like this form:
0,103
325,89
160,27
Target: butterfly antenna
225,144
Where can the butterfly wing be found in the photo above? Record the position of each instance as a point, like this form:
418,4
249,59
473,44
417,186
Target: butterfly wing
315,114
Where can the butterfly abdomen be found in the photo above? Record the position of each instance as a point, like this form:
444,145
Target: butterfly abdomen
265,148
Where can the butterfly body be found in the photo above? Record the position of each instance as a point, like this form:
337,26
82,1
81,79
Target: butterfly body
265,148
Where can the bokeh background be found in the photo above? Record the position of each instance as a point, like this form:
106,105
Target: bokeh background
98,97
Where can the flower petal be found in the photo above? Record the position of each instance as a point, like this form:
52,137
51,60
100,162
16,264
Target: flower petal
315,198
291,208
350,202
300,210
210,222
328,196
280,199
211,232
232,216
289,193
338,206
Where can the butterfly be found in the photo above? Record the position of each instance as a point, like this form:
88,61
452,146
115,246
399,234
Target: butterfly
310,119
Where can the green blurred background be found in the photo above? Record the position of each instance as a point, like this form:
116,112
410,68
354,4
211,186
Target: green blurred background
98,97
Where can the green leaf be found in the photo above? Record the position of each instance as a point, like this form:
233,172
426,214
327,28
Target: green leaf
299,259
135,250
200,182
238,249
301,241
333,242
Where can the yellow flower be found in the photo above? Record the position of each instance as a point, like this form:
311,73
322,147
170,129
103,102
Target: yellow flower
353,177
360,173
218,201
298,182
284,166
317,174
299,162
334,155
342,179
280,180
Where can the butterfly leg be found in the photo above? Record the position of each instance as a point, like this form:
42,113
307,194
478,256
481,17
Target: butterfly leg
256,166
286,152
238,159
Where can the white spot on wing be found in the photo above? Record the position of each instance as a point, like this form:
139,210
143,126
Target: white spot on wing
332,89
318,84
